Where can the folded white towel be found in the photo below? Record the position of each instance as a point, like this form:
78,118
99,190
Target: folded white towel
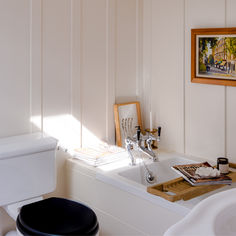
207,172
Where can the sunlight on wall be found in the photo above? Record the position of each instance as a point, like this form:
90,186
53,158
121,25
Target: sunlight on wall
67,129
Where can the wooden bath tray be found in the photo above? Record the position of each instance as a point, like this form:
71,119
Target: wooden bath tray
180,189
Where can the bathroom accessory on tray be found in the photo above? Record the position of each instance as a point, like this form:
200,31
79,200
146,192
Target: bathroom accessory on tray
189,173
223,165
179,189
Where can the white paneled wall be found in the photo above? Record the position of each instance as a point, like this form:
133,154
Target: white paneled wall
166,70
36,72
205,118
61,57
14,67
56,57
63,64
126,52
94,65
197,119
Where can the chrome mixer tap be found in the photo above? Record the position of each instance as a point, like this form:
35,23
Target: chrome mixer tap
135,143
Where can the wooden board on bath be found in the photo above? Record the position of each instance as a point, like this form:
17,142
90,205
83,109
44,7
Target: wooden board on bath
179,189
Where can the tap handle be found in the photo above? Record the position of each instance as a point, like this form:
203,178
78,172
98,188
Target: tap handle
159,131
138,132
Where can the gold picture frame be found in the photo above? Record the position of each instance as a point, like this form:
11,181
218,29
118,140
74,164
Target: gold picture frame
127,116
213,56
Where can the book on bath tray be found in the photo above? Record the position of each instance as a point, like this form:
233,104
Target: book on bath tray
188,172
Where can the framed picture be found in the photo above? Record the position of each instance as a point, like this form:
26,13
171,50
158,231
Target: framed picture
213,56
127,116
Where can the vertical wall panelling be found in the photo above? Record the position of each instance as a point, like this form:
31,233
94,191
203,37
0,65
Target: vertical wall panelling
231,92
30,61
110,69
56,80
139,55
56,57
41,64
35,64
184,79
76,57
225,99
180,80
204,103
94,71
126,51
14,69
139,48
15,76
57,68
63,63
197,119
147,49
166,70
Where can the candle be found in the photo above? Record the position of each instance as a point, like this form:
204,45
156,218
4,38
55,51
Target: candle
150,120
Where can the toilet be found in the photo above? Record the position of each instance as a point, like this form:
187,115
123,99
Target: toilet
28,171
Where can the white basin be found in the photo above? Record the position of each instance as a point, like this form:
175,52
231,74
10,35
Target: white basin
161,170
215,215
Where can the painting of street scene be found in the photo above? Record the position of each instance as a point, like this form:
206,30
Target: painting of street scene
216,56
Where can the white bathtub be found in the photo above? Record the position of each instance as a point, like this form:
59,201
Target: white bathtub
118,195
132,179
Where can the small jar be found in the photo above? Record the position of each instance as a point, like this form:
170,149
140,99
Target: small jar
223,165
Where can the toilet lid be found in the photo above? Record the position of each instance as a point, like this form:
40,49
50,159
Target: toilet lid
57,216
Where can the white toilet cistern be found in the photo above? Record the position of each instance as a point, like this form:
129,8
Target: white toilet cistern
28,171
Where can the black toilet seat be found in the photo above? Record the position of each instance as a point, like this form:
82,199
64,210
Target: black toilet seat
57,217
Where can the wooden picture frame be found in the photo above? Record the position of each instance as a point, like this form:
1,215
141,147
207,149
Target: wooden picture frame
127,116
213,56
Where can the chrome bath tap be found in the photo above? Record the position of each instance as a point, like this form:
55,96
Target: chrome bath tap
135,143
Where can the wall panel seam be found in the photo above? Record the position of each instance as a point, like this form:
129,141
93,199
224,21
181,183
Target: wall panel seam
107,69
110,68
81,69
137,48
71,55
184,77
225,98
150,55
30,63
76,57
115,48
147,61
42,67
